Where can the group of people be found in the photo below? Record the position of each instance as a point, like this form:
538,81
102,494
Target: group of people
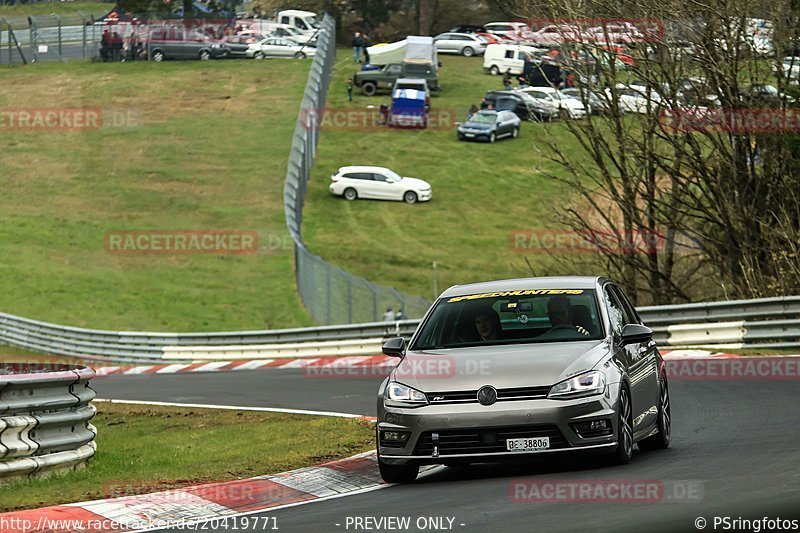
113,47
507,77
360,44
390,315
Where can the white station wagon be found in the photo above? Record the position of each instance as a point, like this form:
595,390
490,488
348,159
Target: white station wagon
378,183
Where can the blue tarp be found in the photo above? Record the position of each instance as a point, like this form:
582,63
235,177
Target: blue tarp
408,102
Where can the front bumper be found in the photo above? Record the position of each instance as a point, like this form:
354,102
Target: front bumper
477,433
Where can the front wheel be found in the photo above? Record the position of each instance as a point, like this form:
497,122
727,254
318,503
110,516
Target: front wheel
369,88
205,55
622,455
494,70
410,197
492,138
515,133
660,440
158,56
299,55
259,55
406,473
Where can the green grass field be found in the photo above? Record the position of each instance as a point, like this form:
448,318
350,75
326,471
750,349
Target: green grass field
69,12
481,194
206,149
142,449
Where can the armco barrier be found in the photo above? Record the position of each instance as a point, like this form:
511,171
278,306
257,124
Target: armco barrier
44,419
768,322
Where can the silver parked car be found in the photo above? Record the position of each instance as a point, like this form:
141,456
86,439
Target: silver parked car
465,44
514,368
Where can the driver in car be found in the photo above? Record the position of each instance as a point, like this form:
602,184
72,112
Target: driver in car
487,324
559,310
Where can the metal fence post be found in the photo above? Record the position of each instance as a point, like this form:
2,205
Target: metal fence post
58,21
349,300
328,293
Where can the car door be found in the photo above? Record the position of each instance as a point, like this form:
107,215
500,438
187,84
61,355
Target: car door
505,123
638,366
646,364
392,72
384,190
444,43
361,182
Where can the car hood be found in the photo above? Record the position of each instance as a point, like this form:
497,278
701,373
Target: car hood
414,182
510,366
477,125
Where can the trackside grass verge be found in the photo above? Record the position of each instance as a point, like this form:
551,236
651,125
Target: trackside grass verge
197,146
142,449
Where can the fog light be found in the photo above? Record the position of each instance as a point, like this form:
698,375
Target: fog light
593,428
395,439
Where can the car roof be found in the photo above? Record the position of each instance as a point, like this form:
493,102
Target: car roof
362,168
549,282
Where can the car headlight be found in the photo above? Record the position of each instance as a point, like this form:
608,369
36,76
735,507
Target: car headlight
397,392
587,384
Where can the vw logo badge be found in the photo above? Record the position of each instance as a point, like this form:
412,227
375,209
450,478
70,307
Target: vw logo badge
487,395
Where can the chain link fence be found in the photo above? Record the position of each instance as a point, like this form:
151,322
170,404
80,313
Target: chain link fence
330,294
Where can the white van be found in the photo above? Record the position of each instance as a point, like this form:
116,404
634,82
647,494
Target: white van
500,57
305,21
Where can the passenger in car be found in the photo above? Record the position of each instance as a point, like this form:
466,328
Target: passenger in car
559,310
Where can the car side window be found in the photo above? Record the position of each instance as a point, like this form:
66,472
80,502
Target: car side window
631,317
394,69
378,177
616,314
509,54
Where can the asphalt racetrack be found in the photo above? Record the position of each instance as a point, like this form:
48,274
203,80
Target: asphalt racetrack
735,453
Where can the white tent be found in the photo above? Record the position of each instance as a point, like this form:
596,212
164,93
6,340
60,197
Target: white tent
413,47
383,54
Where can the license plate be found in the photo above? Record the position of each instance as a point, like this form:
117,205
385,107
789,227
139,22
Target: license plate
469,135
535,444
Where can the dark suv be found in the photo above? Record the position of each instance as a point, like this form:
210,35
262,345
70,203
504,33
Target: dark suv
524,106
371,81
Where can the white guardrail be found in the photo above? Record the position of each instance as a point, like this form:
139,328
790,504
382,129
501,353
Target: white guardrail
761,323
44,419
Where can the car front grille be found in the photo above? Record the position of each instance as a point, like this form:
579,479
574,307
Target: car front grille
503,395
485,440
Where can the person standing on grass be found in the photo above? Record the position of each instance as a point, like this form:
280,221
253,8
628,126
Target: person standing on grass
388,316
365,44
357,43
349,90
507,79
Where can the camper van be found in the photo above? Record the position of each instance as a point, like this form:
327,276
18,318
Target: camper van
500,57
305,21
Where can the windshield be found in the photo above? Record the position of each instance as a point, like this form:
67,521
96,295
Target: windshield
512,317
483,118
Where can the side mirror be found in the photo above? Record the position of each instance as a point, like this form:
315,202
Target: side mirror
635,333
395,347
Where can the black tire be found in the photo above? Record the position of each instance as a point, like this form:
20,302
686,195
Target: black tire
350,194
494,70
660,440
259,55
622,454
368,88
410,197
299,55
157,56
406,473
492,137
467,51
205,55
515,133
